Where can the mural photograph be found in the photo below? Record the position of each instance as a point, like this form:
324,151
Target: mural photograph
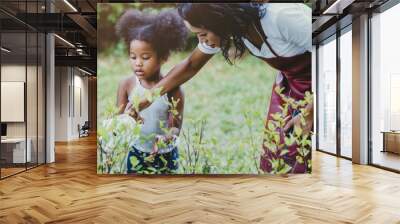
197,88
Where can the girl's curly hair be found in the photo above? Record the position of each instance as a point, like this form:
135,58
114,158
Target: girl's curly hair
165,31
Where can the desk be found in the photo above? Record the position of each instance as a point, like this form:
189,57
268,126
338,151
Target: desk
391,141
16,147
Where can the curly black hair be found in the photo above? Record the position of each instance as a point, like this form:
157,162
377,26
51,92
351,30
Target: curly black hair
230,21
165,31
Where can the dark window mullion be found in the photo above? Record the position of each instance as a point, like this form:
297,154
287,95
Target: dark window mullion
338,73
45,87
369,96
0,95
316,96
37,90
26,86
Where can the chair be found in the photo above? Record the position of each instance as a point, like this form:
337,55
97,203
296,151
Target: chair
84,130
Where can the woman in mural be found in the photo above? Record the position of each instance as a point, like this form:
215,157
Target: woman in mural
279,34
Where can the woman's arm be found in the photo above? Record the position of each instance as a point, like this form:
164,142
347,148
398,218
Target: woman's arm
183,71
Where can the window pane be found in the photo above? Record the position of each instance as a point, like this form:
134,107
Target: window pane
346,94
14,153
31,97
385,88
327,96
41,99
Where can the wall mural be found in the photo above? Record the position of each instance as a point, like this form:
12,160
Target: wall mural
221,88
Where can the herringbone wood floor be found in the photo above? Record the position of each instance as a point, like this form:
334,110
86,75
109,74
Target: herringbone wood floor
69,191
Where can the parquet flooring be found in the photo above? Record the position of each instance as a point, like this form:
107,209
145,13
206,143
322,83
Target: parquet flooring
10,171
70,191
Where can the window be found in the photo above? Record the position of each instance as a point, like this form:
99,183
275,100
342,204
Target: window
327,96
22,74
346,94
385,89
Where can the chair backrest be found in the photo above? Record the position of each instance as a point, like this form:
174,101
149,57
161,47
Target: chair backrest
86,125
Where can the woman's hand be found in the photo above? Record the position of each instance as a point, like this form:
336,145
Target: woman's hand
296,121
163,140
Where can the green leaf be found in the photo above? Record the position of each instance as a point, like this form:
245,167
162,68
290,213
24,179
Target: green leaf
164,161
152,170
277,138
276,116
149,158
297,130
289,141
134,161
285,169
299,159
148,95
271,126
284,152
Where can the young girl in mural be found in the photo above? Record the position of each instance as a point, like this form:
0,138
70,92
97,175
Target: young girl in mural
151,39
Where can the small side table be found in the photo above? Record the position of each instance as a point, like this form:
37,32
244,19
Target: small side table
391,141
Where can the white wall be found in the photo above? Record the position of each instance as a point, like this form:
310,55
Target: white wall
79,117
70,83
61,103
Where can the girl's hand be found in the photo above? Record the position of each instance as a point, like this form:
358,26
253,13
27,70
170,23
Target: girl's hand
155,148
168,139
133,113
159,139
144,104
165,139
128,107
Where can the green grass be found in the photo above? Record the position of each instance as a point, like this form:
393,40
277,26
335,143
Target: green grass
221,95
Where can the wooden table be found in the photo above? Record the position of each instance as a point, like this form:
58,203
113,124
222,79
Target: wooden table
391,141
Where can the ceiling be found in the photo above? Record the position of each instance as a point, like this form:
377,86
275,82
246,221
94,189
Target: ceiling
74,22
332,15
